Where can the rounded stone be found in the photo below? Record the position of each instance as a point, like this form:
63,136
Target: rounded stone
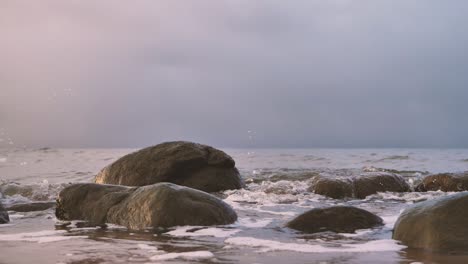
333,188
447,182
184,163
435,225
152,206
339,219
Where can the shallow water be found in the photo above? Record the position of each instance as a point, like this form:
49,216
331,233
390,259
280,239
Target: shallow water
277,180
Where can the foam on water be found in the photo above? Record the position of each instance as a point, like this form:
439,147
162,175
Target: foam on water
147,247
39,237
252,223
188,231
193,255
265,245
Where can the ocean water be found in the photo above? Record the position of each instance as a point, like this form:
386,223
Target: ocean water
277,182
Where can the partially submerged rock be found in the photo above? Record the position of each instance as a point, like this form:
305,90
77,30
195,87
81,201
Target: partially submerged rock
157,205
184,163
359,187
4,218
30,207
435,225
374,182
339,219
333,188
447,182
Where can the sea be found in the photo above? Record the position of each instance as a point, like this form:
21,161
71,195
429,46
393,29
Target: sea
276,191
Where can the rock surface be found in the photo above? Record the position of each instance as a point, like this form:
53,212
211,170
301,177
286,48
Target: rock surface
339,219
333,188
30,207
4,218
435,225
359,187
157,205
447,182
184,163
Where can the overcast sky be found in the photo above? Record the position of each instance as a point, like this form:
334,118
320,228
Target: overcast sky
363,73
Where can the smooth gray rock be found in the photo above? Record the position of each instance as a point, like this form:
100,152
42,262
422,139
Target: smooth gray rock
184,163
152,206
435,225
339,219
4,218
447,182
359,187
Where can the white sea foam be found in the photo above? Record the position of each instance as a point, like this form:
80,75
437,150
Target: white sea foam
276,213
184,231
39,237
252,223
410,197
390,221
269,245
147,247
16,216
194,255
357,233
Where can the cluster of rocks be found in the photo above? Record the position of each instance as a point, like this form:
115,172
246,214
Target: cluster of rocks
168,185
161,186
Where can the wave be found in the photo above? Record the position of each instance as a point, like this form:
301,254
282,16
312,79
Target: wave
393,157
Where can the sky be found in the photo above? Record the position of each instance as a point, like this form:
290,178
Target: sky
235,73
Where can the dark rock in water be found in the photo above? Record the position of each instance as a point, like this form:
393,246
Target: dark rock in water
30,207
334,188
339,219
359,187
4,218
447,182
435,225
184,163
372,183
157,205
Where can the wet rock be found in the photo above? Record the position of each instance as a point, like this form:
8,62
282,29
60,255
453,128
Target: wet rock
339,219
157,205
184,163
372,183
359,187
4,218
435,225
447,182
31,207
333,188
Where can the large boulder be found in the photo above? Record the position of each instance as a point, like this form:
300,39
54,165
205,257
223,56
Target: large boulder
361,186
339,219
435,225
184,163
4,218
447,182
152,206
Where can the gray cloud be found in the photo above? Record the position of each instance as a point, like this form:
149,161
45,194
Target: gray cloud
332,73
